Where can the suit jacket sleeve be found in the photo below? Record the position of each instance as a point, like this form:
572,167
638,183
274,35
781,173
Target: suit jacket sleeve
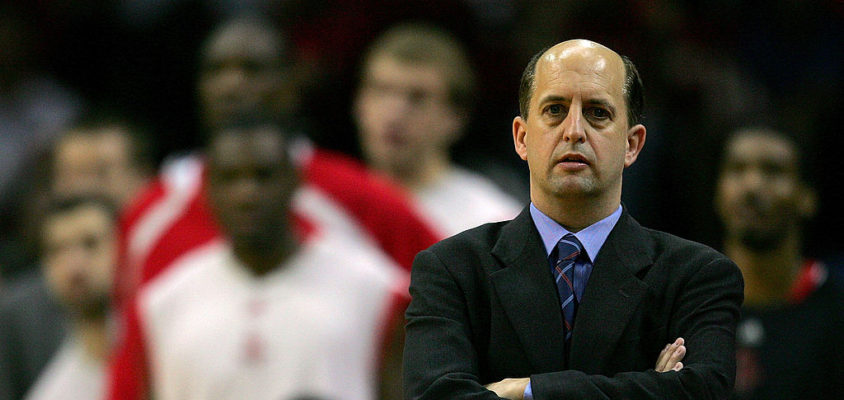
706,313
440,360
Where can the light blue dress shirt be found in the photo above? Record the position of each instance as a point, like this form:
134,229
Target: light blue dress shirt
592,237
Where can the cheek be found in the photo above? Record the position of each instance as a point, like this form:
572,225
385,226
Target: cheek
208,89
53,273
612,152
369,114
219,201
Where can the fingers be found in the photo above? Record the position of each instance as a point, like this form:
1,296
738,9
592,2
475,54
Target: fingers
670,356
509,388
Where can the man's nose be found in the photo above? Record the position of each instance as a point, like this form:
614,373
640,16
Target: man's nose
753,179
398,103
573,125
231,80
245,191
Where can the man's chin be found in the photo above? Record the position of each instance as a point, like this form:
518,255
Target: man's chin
90,307
252,241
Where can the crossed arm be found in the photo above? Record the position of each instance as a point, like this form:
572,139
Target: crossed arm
440,360
670,359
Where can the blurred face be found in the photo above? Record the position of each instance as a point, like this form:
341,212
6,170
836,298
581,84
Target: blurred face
98,163
576,139
80,253
241,70
404,114
760,197
250,185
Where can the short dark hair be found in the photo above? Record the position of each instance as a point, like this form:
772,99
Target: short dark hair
798,143
62,204
633,89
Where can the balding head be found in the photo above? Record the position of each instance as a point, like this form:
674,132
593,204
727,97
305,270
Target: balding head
590,56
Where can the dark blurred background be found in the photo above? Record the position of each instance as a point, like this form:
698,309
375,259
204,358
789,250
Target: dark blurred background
708,67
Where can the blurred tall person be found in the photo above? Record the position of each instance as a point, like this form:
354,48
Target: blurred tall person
788,346
80,254
273,310
416,94
101,156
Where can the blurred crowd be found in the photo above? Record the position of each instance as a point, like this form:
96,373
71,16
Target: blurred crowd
143,141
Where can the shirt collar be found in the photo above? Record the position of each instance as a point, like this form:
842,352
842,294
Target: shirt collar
592,237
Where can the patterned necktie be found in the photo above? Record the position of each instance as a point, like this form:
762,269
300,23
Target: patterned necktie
568,249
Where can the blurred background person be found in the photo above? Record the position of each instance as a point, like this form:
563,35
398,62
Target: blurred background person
80,254
793,315
245,67
416,92
102,156
272,311
714,64
105,154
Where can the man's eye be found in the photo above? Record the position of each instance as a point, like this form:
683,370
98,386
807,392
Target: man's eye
598,113
555,109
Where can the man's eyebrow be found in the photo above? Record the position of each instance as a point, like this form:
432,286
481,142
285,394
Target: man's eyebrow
554,98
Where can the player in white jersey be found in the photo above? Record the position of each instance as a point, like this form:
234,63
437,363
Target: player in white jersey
461,199
268,312
412,105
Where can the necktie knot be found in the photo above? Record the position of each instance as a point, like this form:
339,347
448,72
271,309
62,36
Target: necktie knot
568,248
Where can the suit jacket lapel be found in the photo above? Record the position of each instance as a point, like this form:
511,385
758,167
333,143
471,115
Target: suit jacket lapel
527,293
612,294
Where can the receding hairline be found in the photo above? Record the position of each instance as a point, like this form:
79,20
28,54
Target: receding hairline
631,85
565,50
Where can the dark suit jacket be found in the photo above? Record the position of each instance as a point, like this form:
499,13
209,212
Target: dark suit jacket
484,307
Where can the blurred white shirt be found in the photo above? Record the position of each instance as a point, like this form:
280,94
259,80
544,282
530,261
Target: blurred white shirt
461,200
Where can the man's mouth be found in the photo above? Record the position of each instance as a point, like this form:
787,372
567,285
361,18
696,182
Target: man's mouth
573,159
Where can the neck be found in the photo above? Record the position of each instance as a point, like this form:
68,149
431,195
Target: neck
768,275
577,212
419,175
94,336
264,258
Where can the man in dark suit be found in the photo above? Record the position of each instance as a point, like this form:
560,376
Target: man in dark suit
572,299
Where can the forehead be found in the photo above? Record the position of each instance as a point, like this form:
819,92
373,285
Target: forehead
385,67
101,142
242,41
752,147
583,68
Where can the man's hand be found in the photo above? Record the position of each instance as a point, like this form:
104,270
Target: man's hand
670,357
509,388
669,360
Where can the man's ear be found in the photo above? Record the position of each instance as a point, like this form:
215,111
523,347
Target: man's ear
635,141
520,137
